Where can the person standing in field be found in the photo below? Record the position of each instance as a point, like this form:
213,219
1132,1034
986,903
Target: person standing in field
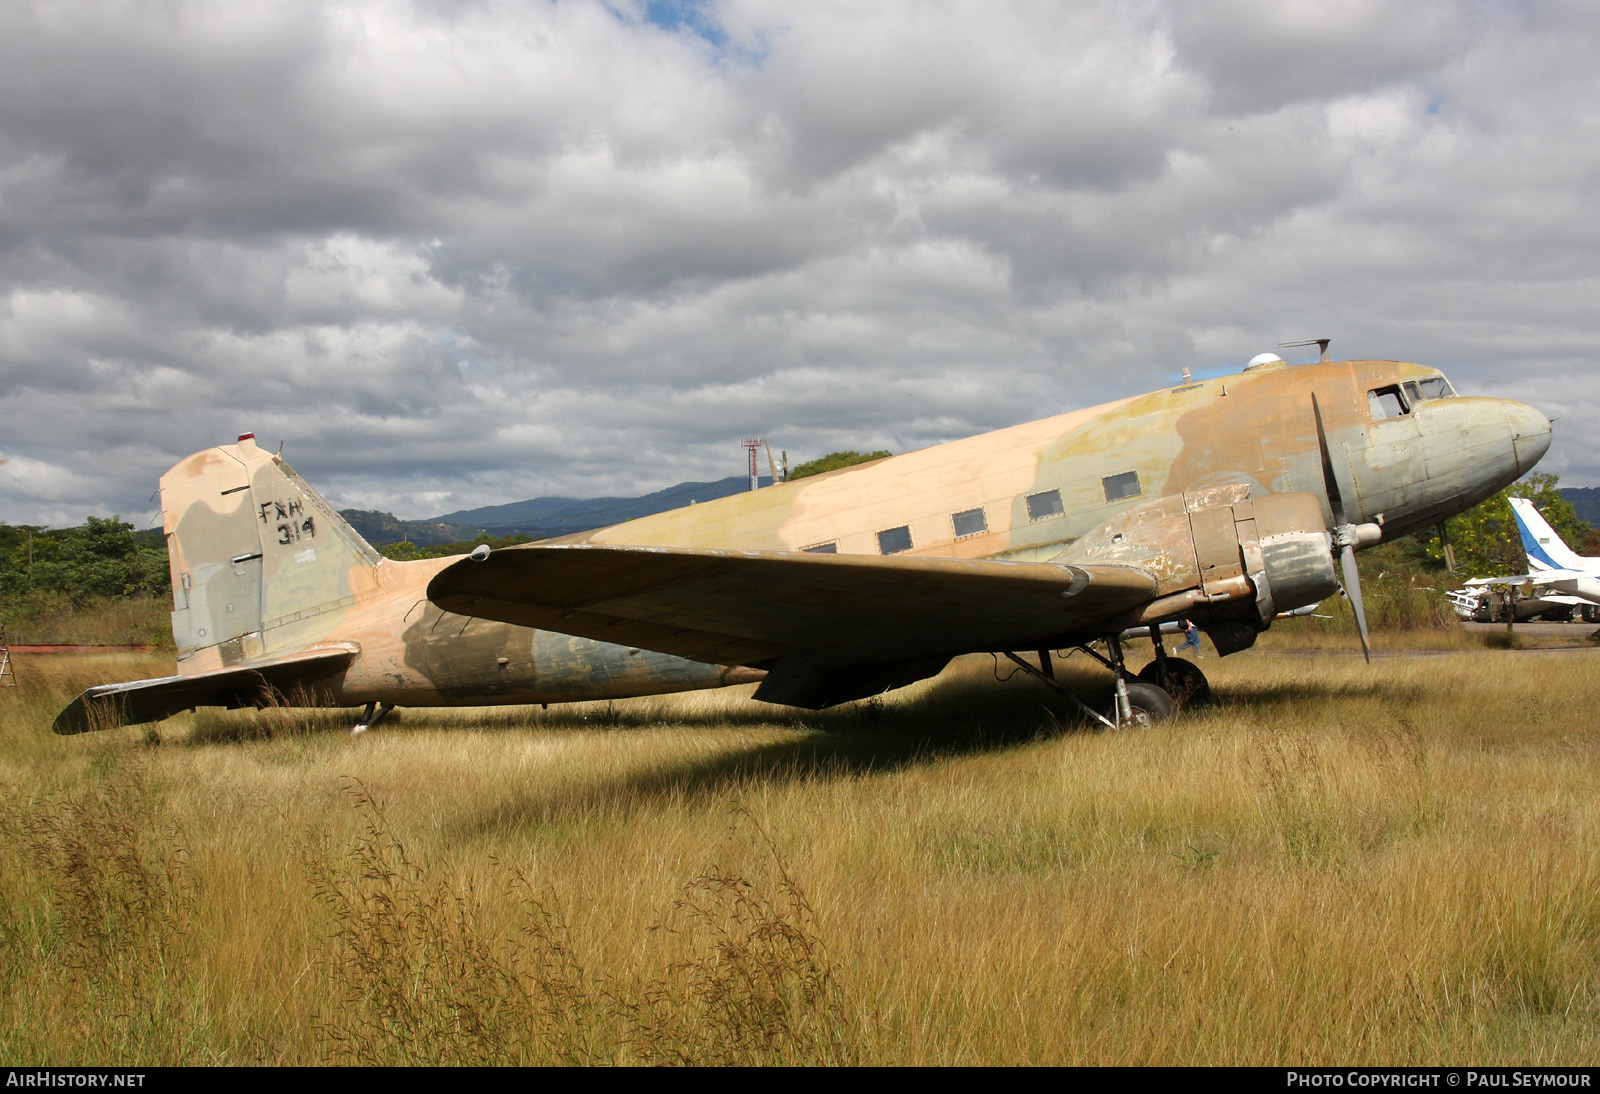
1191,637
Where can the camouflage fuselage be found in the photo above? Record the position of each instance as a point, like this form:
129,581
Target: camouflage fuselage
1439,457
262,565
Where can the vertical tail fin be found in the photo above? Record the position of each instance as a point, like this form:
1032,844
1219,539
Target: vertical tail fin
255,553
1546,550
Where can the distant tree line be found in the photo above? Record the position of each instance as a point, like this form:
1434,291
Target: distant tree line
406,551
100,583
832,462
104,558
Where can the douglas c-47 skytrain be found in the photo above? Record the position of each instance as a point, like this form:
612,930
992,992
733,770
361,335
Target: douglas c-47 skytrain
1225,501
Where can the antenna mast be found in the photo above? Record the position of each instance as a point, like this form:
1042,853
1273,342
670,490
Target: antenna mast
751,446
1320,343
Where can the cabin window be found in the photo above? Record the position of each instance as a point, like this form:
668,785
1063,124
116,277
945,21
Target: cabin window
1047,504
822,548
969,522
1125,485
1386,403
891,541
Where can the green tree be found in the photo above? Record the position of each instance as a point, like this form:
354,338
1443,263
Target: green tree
406,551
1485,537
104,558
832,462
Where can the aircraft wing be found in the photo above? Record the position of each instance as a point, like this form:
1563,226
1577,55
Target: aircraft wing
827,627
111,705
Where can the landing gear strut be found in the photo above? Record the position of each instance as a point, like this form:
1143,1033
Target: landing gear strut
1047,674
1137,701
371,717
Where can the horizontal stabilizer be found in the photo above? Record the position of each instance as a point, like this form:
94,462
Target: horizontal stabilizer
112,705
756,607
1543,577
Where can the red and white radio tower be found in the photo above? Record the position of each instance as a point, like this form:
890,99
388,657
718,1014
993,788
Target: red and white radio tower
750,446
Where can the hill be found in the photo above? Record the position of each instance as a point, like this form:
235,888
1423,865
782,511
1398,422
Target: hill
1585,502
379,528
538,518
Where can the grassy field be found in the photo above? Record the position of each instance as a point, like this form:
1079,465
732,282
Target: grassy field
43,617
1334,863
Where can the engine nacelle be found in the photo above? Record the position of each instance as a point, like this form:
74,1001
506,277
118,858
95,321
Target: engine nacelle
1229,561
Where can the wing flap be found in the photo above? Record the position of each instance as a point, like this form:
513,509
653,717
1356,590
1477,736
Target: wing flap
752,607
110,706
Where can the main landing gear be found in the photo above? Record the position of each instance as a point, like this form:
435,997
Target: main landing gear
1180,679
1161,689
371,717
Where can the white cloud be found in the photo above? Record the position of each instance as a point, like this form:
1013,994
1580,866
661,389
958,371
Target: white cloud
456,255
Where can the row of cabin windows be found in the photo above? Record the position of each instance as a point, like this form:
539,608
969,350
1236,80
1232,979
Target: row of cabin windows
972,522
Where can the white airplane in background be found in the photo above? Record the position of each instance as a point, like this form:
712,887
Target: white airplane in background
1556,573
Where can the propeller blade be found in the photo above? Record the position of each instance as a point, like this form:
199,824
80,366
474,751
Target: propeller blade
1352,589
1330,481
1345,534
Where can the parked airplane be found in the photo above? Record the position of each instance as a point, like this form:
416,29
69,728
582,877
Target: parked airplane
1225,501
1556,574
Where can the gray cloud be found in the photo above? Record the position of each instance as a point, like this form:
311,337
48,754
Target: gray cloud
455,255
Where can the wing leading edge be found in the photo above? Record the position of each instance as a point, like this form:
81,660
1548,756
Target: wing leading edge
827,627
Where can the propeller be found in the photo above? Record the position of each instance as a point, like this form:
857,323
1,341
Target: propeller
1346,536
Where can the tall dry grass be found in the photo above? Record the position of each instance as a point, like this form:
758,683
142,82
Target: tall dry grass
43,617
1331,864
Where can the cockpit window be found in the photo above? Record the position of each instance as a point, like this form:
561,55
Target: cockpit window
1387,402
1434,387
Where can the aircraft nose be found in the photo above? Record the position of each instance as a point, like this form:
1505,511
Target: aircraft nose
1530,435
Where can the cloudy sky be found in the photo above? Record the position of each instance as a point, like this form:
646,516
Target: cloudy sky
455,254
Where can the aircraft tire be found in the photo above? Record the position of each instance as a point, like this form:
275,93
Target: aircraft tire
1189,684
1150,704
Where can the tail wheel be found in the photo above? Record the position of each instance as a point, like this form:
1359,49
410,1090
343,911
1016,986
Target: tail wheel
1149,704
1187,683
